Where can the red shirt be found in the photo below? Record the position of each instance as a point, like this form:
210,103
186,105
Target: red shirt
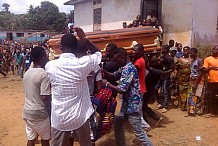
140,63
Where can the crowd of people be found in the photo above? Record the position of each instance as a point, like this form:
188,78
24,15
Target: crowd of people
193,78
76,93
15,57
151,20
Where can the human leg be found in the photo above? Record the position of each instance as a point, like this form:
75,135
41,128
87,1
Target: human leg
59,138
145,125
135,121
183,90
211,96
166,93
119,130
31,142
31,133
83,134
149,112
45,142
157,95
1,71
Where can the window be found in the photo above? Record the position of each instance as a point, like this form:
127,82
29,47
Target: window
20,34
42,35
97,19
95,2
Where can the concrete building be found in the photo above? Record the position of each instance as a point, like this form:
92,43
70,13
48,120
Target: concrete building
26,35
186,21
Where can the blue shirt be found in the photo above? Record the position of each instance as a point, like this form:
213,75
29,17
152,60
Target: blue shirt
129,85
179,54
195,66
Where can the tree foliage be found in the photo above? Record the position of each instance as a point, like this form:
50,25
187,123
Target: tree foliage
6,7
43,17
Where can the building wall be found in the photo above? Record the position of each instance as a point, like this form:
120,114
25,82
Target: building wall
83,15
185,21
114,13
3,35
177,20
205,22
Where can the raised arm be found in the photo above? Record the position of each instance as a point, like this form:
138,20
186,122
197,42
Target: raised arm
92,47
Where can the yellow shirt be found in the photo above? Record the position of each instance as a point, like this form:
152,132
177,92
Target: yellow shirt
213,75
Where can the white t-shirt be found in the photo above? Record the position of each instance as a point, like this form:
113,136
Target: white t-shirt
36,83
153,19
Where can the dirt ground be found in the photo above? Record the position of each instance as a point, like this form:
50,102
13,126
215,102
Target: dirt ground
174,130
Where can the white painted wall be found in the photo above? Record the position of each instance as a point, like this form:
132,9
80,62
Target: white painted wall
114,13
182,20
205,21
83,16
177,20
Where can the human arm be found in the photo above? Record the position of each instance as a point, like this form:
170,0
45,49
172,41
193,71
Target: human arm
108,74
98,80
210,68
80,33
45,87
45,97
171,67
200,66
207,67
114,88
161,30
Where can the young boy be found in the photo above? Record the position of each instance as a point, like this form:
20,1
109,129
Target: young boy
131,98
37,92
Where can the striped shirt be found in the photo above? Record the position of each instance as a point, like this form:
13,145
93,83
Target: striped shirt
71,104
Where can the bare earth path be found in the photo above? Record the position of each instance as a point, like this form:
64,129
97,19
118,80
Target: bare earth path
175,130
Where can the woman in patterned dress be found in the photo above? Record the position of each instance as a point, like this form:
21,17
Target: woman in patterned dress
183,73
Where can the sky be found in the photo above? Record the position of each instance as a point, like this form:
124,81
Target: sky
21,6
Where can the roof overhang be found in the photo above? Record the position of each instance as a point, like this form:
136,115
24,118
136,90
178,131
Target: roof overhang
73,2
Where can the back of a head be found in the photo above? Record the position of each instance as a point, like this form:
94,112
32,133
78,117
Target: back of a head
121,52
68,43
37,53
81,50
112,46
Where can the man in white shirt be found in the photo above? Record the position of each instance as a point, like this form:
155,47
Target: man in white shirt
71,104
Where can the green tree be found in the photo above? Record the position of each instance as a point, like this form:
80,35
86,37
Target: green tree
46,16
6,7
43,17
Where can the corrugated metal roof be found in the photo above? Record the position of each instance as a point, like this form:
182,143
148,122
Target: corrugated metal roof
73,2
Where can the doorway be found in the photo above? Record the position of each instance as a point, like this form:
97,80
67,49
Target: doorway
9,36
154,5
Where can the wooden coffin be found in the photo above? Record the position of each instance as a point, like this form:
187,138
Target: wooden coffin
125,38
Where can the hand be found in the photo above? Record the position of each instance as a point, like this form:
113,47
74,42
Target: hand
80,33
104,82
